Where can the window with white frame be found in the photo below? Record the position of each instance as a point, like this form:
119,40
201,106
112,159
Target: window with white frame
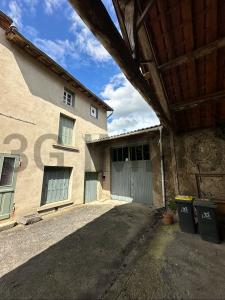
68,98
94,112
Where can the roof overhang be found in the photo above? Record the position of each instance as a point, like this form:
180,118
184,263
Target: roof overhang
184,42
19,40
5,21
172,52
99,22
134,133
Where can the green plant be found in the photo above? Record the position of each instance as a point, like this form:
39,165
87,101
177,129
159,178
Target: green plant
171,205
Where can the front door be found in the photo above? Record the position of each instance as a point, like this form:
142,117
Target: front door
91,181
8,164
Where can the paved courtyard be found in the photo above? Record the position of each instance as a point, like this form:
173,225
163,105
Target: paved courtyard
75,254
173,265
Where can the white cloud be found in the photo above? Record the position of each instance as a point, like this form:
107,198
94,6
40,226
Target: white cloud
15,12
58,49
31,4
51,5
131,112
86,41
17,8
31,32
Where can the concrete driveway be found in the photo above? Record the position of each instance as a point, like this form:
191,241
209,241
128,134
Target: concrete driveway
173,265
75,254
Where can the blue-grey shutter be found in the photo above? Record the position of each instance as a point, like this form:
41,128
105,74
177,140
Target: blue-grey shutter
66,130
6,204
7,191
55,184
91,181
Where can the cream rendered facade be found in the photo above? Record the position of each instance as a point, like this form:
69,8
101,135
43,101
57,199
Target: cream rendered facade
31,101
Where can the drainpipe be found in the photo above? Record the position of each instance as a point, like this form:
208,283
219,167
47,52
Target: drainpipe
162,166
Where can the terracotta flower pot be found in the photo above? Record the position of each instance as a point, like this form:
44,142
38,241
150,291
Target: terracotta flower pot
168,218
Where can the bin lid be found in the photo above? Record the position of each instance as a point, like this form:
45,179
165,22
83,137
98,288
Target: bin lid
205,203
183,198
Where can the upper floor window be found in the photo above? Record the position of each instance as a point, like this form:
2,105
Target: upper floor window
66,126
68,98
94,112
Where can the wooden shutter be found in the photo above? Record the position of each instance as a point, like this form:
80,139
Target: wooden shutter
55,184
66,130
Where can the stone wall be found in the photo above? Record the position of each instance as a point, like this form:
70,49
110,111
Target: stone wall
200,157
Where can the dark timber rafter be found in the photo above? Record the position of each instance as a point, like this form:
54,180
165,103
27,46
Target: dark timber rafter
198,53
211,98
98,20
144,14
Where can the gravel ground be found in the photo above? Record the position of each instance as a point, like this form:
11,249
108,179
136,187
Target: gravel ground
75,254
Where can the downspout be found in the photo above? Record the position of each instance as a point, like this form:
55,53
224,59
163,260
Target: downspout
162,165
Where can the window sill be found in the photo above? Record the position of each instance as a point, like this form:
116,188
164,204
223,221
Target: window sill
66,148
54,205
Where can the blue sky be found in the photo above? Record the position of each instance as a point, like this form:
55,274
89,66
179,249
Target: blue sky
54,26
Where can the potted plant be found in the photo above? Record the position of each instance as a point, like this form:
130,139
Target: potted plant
168,215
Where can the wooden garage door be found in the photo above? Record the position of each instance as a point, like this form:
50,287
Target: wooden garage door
131,175
55,184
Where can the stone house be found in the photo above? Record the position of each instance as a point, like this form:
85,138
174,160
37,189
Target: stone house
55,150
45,114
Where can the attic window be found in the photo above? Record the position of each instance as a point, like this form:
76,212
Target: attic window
68,98
94,112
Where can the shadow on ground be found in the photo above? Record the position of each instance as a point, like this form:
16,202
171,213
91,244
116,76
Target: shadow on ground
173,265
82,265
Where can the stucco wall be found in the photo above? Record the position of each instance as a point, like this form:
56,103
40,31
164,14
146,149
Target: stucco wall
30,106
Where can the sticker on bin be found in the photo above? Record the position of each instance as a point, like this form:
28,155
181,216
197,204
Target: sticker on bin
184,210
184,198
206,215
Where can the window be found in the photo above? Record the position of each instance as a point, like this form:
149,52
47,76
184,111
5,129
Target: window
7,172
66,126
132,153
120,154
68,98
94,112
146,152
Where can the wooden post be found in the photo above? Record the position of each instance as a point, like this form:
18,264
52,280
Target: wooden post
174,164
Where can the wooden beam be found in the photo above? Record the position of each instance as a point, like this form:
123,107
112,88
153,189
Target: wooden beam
130,15
149,65
198,101
144,14
174,164
99,22
196,54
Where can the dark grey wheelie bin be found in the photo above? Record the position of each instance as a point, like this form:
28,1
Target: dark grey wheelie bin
186,214
207,220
